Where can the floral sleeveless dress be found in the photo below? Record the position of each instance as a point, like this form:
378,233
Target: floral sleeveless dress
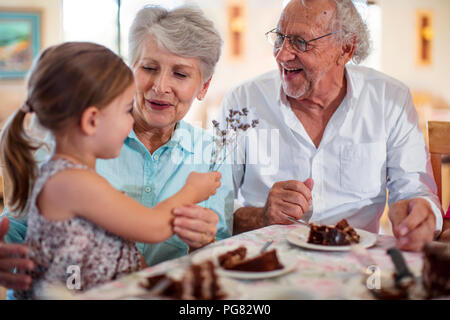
61,248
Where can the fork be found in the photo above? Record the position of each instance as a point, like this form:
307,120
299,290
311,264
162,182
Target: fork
297,221
266,245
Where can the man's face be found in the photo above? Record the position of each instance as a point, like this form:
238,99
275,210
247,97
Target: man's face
301,72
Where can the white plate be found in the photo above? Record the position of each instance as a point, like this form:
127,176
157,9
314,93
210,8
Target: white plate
299,237
212,254
288,267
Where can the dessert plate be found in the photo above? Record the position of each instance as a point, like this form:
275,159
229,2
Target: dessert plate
212,254
288,267
299,237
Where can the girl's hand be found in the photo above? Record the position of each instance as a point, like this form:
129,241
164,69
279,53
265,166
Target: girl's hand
203,185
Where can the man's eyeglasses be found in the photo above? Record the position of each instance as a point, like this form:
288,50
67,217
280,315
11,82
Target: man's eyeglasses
276,39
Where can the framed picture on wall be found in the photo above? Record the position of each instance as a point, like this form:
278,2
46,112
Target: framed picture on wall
20,41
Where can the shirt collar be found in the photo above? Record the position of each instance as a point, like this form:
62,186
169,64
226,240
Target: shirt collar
354,85
183,137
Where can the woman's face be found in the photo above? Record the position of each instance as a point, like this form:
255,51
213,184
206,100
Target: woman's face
167,84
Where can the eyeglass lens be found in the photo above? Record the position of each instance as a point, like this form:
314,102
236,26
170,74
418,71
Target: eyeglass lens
277,39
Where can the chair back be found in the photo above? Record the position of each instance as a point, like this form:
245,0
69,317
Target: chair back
439,144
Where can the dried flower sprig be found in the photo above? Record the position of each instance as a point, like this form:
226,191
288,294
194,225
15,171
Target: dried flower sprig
225,139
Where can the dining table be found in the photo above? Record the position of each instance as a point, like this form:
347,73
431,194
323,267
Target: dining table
310,273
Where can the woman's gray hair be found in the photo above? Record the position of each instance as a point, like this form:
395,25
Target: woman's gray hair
184,31
349,22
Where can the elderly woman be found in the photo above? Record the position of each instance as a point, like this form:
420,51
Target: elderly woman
173,55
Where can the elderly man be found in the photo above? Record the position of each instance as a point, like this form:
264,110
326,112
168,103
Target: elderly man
340,134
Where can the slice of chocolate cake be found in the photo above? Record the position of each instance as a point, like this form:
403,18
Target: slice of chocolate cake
230,258
199,282
340,235
436,269
267,261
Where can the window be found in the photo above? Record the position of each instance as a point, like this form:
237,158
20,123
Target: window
98,21
374,23
87,20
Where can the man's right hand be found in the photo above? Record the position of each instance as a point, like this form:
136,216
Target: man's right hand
11,257
287,198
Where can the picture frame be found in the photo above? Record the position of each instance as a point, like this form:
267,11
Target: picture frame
20,41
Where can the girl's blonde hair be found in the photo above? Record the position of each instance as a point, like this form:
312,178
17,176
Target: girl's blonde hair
63,81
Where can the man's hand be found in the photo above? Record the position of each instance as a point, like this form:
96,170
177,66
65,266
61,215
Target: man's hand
195,225
413,223
287,198
11,256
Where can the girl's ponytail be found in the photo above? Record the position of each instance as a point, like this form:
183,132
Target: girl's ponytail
18,165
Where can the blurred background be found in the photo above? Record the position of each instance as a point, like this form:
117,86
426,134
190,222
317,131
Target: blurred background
410,38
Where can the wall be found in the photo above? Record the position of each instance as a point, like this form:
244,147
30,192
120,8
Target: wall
397,52
397,56
12,92
399,45
261,16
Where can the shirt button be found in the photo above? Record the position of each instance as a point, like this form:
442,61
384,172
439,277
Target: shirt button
148,189
156,157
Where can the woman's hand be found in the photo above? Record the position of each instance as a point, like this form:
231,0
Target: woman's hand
195,225
11,257
203,185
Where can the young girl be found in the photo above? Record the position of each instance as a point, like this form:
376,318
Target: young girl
83,93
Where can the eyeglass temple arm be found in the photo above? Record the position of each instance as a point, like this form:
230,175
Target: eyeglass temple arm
326,35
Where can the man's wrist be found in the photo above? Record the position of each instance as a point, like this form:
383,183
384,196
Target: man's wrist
438,214
247,219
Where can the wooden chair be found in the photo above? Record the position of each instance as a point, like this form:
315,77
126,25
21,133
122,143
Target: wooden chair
439,144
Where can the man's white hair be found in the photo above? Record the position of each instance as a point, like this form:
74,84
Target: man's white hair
349,21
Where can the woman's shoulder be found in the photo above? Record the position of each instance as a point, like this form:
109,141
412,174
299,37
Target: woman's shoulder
196,134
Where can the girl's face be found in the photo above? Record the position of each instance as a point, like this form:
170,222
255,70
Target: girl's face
167,84
116,122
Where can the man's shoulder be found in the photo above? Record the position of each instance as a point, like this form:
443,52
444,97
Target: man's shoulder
269,79
371,77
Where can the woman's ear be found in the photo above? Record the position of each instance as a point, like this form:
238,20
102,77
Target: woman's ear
90,120
204,90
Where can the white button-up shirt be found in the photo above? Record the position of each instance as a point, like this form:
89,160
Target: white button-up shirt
372,143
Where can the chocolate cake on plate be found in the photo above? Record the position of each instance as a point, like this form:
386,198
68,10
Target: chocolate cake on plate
199,282
436,269
232,257
236,260
340,235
